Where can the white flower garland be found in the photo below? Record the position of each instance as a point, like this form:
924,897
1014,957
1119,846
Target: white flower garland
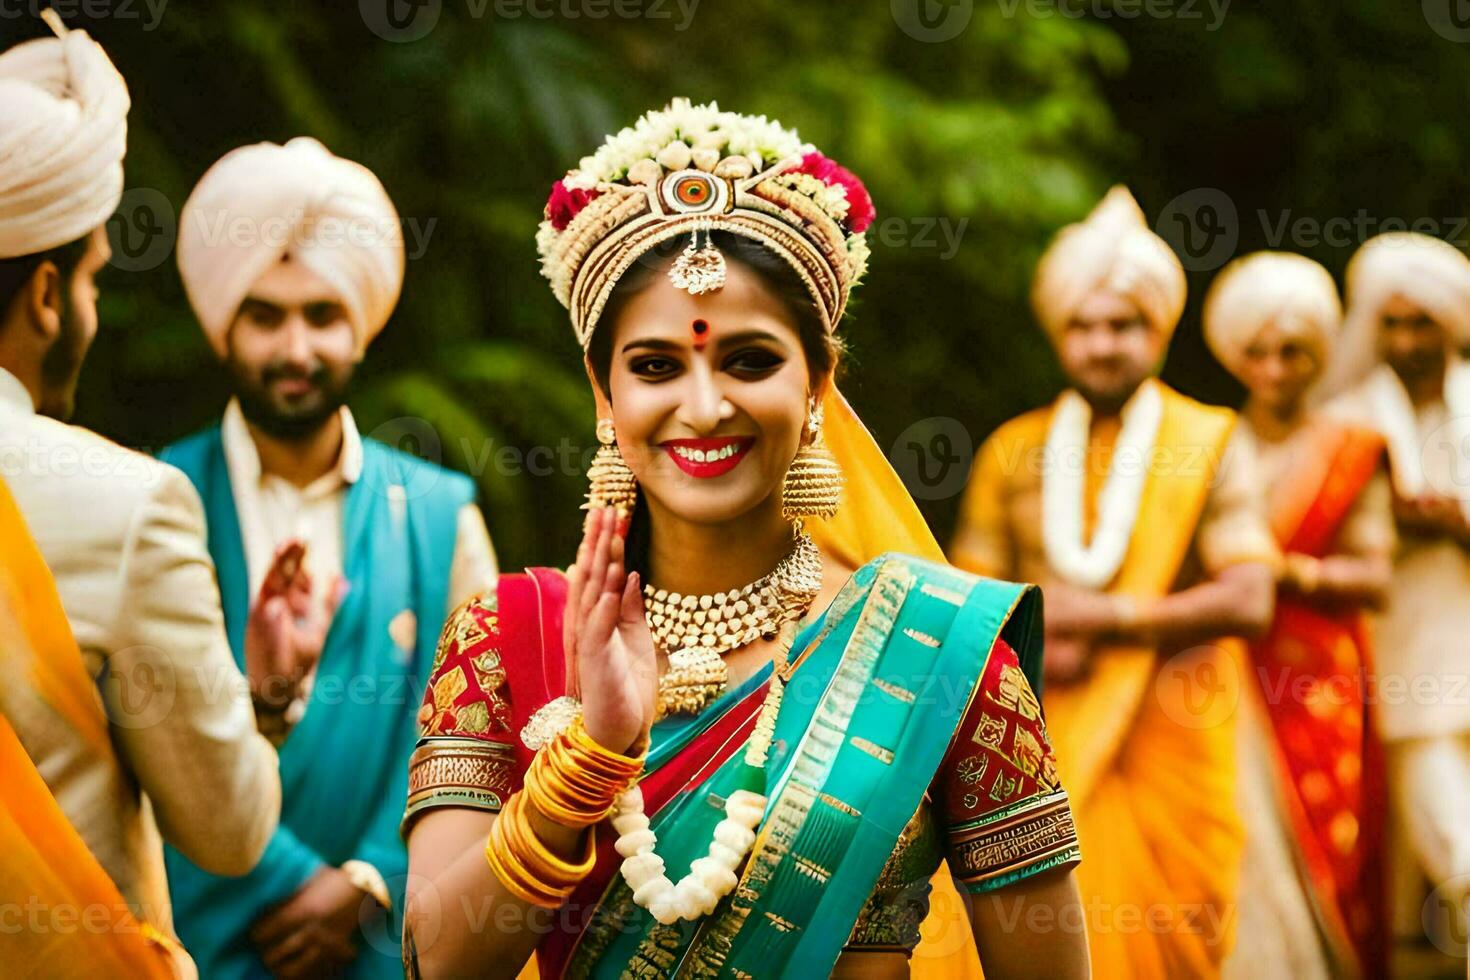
700,136
697,126
1063,484
710,878
713,876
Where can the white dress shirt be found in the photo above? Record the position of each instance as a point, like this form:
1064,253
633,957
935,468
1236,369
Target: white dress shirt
273,509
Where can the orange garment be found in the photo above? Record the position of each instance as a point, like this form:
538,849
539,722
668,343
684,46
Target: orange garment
1145,741
1330,761
74,921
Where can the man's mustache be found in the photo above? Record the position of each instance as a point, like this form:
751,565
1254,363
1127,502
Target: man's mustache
285,372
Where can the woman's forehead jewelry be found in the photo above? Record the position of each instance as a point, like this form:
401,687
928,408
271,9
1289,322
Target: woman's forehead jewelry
699,269
691,170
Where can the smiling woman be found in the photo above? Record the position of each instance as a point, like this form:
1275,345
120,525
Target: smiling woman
742,733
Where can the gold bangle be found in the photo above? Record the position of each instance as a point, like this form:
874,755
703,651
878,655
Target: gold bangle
575,782
556,806
595,755
507,865
540,859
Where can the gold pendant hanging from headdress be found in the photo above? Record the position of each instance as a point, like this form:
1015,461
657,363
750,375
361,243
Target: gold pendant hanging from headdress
699,269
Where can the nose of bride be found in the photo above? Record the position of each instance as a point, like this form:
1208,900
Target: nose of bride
705,406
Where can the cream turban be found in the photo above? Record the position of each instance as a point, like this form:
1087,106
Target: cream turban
260,203
1269,287
1113,249
63,132
1429,272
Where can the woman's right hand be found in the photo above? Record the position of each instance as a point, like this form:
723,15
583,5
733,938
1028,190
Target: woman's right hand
611,664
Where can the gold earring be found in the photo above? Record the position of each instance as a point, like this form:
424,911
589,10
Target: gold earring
813,485
610,482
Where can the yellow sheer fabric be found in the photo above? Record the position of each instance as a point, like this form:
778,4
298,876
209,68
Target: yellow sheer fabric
77,923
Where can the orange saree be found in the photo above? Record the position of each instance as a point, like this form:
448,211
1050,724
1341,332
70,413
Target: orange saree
70,920
1314,668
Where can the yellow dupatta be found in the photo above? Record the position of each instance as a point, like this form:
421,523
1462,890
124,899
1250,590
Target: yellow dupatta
85,928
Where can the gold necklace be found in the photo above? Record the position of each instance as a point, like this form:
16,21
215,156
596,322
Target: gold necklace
695,631
727,620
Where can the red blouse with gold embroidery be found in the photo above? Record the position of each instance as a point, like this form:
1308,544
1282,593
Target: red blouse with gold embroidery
996,810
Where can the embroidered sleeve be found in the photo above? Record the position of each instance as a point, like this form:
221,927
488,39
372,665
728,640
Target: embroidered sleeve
466,750
1005,814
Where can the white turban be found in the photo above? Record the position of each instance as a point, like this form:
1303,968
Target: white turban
1289,290
1113,249
1424,270
63,132
261,203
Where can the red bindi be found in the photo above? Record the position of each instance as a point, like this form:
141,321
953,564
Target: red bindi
701,332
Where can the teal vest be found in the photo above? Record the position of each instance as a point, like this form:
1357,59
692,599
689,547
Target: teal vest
344,768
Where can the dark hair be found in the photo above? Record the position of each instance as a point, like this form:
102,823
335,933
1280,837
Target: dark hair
16,272
820,347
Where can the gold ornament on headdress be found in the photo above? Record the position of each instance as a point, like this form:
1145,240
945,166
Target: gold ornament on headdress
610,481
693,170
699,270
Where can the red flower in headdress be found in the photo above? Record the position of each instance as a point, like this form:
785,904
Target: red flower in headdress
860,211
564,203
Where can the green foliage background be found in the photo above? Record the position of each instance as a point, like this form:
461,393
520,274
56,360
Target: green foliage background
1014,127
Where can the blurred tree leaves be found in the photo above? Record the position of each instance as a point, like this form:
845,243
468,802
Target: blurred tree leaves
975,149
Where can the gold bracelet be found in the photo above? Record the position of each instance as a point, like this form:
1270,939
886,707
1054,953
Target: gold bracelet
574,781
540,859
508,865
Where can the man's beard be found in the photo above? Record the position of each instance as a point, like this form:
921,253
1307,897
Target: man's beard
62,366
289,424
1109,399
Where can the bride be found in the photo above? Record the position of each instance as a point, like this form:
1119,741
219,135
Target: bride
740,735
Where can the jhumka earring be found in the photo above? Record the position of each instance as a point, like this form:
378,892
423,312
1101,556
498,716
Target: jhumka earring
813,485
610,481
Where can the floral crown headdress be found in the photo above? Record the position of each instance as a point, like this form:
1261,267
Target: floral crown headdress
691,169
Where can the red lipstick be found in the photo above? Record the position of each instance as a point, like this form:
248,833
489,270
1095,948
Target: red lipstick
708,458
